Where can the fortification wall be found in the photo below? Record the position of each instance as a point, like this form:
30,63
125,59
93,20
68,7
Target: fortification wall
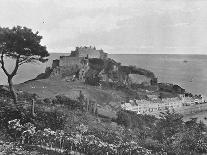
70,61
88,52
64,71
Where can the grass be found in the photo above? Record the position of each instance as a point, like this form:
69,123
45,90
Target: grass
50,88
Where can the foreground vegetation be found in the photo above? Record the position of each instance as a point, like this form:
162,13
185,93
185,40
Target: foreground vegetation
63,126
67,126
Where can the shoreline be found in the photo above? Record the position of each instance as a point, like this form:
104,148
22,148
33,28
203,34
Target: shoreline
199,112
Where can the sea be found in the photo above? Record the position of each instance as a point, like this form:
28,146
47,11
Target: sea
188,71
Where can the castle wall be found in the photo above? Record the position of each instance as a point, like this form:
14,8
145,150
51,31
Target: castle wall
64,71
88,52
70,61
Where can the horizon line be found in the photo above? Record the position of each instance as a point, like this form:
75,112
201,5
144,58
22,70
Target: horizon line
141,53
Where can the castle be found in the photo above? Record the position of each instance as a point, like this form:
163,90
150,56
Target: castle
79,57
77,63
90,52
88,63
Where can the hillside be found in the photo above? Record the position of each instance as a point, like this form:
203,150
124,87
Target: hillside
108,100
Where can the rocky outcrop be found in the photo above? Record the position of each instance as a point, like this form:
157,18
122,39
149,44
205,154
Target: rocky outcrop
139,79
168,87
89,65
64,72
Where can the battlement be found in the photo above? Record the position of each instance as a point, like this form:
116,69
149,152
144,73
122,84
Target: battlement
89,52
79,57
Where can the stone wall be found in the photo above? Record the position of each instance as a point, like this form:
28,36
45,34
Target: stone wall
70,61
64,71
88,52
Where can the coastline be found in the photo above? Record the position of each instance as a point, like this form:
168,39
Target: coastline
199,112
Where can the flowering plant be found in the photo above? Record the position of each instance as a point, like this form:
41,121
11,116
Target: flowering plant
80,140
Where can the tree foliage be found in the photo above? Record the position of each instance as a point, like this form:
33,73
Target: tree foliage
23,46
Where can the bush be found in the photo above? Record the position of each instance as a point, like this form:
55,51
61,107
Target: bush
96,64
123,118
47,100
134,121
52,119
64,100
24,96
94,81
8,114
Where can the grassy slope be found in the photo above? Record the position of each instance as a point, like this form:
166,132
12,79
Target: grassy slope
109,100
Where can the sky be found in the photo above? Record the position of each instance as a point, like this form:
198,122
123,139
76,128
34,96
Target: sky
116,26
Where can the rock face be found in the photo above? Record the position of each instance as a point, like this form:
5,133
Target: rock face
76,64
64,71
167,87
139,79
92,66
70,61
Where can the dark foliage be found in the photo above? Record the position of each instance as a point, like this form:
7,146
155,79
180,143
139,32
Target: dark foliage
166,87
24,96
92,78
45,75
21,43
96,64
64,100
23,46
7,114
135,70
108,65
132,120
52,119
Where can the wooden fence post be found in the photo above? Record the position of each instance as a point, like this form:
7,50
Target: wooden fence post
87,105
33,108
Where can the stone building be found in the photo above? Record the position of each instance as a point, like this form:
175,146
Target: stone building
153,107
89,52
68,66
79,57
70,61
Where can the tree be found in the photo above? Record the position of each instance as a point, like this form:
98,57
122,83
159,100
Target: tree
23,46
124,118
169,124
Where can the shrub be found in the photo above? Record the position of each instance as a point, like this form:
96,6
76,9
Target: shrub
47,100
123,118
94,81
44,118
96,64
64,100
53,119
24,96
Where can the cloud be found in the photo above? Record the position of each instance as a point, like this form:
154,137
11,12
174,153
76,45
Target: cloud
114,25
